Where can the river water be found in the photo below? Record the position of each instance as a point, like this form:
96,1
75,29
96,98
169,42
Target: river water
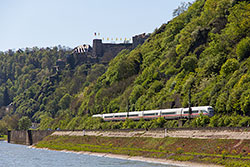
13,155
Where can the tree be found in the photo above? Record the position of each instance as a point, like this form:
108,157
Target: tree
189,63
24,123
65,101
6,97
229,66
243,49
182,8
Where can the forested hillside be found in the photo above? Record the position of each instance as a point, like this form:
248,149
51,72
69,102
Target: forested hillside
204,50
32,89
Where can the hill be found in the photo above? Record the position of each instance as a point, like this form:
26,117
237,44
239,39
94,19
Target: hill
204,50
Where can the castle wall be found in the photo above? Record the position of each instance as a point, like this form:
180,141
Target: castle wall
139,39
111,50
105,52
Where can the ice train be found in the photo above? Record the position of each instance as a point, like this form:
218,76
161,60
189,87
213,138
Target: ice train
175,113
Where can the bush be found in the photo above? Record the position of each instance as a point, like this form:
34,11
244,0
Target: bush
189,63
171,124
65,101
136,93
214,121
24,123
202,121
234,120
128,124
244,122
245,102
243,49
229,66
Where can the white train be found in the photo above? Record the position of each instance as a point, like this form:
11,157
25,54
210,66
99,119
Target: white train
174,113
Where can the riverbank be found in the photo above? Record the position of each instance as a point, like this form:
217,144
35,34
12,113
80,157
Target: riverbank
139,158
168,150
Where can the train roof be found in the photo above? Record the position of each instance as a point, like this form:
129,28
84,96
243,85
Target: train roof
153,111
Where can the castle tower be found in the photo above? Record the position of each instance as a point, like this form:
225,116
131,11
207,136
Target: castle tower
97,48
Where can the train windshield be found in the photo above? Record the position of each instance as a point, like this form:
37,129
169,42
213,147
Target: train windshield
211,111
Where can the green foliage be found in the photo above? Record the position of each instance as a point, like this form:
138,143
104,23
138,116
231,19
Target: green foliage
128,124
46,122
245,122
24,123
136,93
230,66
182,8
229,121
65,101
205,48
243,49
202,121
239,25
189,63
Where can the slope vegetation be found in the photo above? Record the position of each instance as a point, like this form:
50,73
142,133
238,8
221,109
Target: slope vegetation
205,51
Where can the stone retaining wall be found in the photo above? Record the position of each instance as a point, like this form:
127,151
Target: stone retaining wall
179,133
27,137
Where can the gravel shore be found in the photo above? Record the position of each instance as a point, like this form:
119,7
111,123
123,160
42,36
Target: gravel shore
143,159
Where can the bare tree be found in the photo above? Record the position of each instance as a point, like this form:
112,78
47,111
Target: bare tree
182,8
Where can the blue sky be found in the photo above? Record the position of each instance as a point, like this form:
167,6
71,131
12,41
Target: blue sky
46,23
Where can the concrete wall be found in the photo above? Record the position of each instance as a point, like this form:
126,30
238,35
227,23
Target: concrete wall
27,137
201,133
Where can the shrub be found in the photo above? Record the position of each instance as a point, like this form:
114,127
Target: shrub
245,102
243,49
171,124
136,93
214,121
65,101
202,121
229,66
128,124
189,63
235,119
244,122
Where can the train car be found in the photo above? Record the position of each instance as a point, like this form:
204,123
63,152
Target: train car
196,111
151,114
175,113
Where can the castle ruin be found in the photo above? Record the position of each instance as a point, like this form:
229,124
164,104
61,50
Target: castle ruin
103,52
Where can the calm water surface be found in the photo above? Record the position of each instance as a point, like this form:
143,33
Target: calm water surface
12,155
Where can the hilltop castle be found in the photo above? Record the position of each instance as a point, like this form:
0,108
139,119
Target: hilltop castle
102,52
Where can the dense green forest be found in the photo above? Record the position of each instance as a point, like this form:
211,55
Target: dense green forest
204,49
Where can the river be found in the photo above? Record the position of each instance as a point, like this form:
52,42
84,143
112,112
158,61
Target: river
13,155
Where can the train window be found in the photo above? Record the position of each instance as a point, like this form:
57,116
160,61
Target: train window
168,113
193,112
120,116
203,111
151,114
211,110
108,116
134,115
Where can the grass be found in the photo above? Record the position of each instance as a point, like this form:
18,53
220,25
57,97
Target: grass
3,137
214,151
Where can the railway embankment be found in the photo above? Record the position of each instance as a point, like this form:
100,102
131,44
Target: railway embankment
200,133
145,144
